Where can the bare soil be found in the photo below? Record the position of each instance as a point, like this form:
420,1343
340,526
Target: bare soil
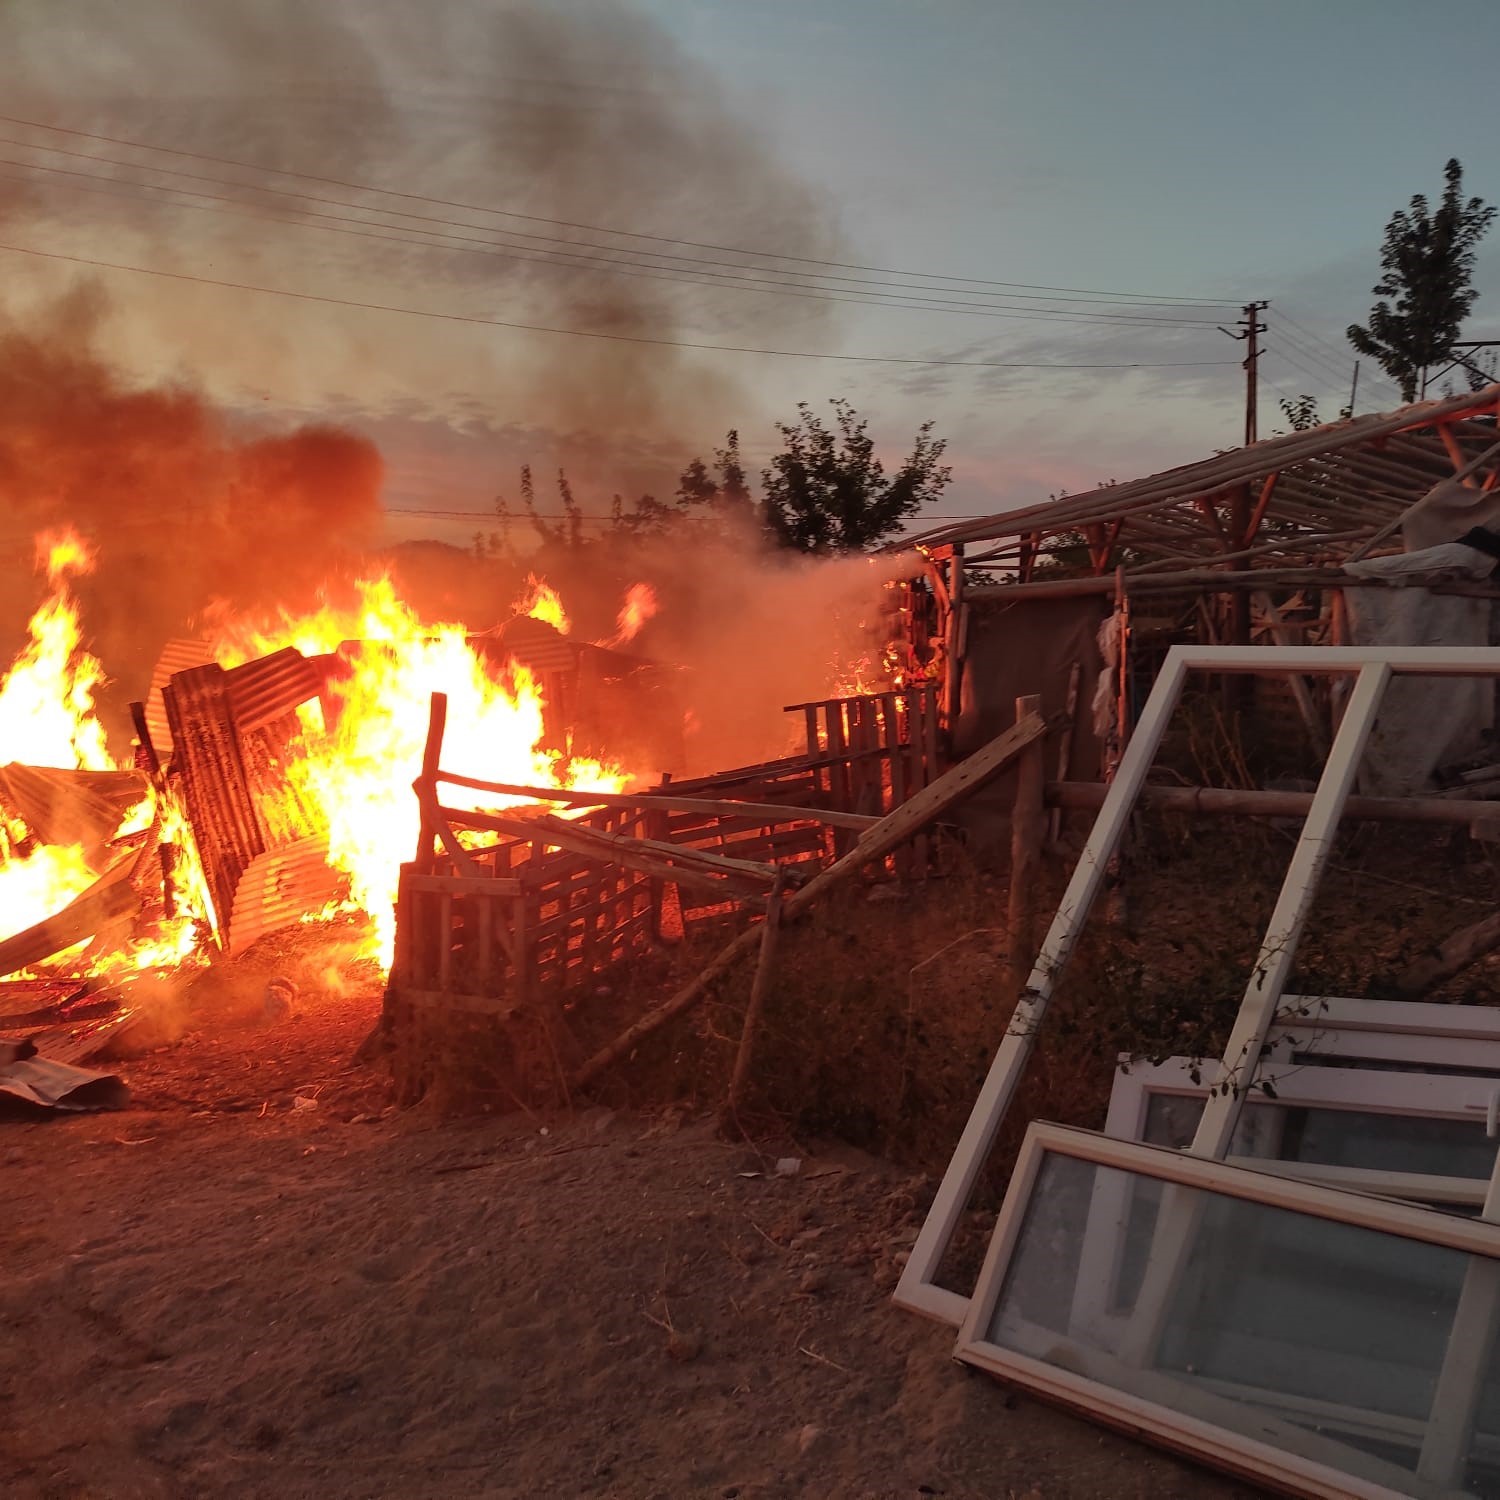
222,1292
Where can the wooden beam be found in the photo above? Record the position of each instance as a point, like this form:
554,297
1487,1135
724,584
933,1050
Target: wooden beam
1205,507
1028,828
1225,802
681,865
1282,635
764,812
1267,489
930,804
765,968
1111,541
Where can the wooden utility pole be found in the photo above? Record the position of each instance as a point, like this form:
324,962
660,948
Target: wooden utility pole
1237,690
1250,328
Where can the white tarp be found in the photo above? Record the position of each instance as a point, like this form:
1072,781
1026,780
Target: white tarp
1424,722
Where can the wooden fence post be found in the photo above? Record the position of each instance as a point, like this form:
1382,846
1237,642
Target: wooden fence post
759,989
1028,828
432,755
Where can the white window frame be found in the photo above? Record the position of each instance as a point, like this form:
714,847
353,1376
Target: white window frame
1319,1028
1299,1463
1424,1096
1372,668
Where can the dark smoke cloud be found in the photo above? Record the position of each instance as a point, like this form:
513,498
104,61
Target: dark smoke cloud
584,112
125,398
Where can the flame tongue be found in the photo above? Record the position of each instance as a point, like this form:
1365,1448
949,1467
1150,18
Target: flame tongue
47,697
639,606
541,602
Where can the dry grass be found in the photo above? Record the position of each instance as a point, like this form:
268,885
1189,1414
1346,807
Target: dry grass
889,1003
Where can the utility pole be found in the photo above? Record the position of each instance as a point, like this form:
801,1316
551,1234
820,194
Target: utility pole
1250,328
1239,688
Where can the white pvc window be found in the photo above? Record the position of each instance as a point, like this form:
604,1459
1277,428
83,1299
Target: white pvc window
1365,1126
1331,1344
1372,669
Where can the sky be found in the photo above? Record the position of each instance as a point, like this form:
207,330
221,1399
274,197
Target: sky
1043,190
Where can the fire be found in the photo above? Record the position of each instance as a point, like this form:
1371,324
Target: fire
47,697
639,606
354,770
37,879
541,602
358,770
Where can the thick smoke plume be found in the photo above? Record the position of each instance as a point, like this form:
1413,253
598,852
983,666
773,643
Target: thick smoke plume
134,407
582,112
183,505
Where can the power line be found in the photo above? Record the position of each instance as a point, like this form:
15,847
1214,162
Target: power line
617,338
495,252
1341,357
1311,355
1321,382
1338,380
594,228
739,272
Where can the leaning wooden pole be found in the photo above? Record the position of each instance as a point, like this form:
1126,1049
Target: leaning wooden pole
1028,828
1454,955
765,969
951,788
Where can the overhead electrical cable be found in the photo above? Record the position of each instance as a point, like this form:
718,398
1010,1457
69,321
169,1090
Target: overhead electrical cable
610,263
1321,384
620,338
738,271
1213,302
494,252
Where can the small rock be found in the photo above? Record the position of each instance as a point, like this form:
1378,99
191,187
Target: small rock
304,1101
280,997
788,1166
684,1345
808,1436
813,1282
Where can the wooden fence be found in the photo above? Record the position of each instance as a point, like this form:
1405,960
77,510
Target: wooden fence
546,905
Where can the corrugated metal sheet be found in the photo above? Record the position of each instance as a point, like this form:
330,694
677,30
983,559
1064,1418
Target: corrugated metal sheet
206,756
280,887
176,656
260,692
70,807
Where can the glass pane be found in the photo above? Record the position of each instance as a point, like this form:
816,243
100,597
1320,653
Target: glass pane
1334,1137
1388,1143
1320,1338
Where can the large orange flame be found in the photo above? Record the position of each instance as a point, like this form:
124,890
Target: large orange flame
358,769
47,697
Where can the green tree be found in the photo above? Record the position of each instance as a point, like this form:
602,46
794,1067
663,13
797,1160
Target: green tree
721,486
1428,263
826,491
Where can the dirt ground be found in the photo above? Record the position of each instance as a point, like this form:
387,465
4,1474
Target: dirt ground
223,1292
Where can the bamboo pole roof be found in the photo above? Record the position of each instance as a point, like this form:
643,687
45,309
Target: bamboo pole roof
1298,497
